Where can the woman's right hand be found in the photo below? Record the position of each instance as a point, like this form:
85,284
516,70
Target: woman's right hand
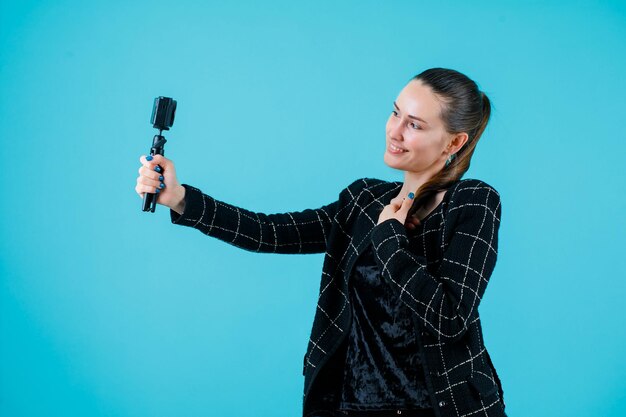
171,193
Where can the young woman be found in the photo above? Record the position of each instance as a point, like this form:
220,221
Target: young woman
396,329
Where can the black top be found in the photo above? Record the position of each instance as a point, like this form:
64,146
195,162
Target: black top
383,367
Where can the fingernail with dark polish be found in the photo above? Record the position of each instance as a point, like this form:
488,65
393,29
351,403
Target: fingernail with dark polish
157,168
162,185
160,177
411,195
149,158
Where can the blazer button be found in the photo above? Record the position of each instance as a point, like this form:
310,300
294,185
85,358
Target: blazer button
442,403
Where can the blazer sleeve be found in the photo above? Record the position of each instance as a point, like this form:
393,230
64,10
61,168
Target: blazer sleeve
297,232
446,301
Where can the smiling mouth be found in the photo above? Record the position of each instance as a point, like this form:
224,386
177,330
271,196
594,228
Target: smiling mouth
395,149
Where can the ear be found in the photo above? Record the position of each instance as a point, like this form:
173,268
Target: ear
456,142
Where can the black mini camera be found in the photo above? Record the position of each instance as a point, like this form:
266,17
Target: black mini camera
163,113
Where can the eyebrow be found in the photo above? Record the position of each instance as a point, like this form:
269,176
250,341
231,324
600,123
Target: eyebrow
411,117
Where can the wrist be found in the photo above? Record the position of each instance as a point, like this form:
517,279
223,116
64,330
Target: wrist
179,206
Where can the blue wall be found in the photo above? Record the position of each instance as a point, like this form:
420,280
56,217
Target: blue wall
109,311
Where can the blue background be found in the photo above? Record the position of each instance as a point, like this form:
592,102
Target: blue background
109,311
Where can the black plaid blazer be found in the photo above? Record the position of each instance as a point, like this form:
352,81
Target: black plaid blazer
440,271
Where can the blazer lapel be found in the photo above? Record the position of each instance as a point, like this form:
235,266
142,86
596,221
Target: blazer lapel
368,206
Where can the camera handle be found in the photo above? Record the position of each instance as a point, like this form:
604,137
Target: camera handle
150,199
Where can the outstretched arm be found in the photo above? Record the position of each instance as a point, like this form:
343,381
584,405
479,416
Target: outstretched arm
288,233
446,301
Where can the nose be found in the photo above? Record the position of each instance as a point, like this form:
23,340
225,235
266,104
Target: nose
395,129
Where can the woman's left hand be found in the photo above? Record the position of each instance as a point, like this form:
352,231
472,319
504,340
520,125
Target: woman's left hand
398,209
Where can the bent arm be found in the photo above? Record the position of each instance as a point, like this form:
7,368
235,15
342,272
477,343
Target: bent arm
446,301
288,233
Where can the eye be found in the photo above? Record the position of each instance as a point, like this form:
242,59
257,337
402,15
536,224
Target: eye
395,113
417,127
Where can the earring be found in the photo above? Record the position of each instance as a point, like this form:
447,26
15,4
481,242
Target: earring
450,158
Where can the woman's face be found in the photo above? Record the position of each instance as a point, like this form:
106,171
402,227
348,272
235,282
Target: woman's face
415,126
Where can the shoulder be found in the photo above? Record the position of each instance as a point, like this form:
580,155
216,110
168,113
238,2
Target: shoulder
366,183
472,188
472,194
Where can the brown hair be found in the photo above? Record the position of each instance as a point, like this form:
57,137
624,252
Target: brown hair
464,108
